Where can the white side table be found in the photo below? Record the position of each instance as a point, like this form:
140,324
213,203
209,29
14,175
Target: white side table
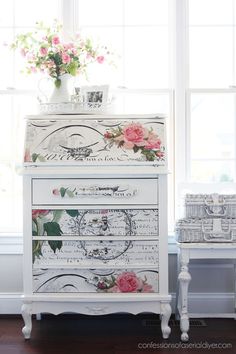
188,251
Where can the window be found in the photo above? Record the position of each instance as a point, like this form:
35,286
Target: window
206,155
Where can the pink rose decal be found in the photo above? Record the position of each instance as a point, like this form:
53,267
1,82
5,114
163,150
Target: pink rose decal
38,212
138,138
134,132
128,282
56,191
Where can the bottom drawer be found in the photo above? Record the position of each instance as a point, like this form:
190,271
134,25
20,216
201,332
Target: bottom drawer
95,280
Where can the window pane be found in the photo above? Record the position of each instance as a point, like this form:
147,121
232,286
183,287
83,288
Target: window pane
211,12
100,13
148,12
212,126
146,65
211,57
6,13
28,12
212,171
142,103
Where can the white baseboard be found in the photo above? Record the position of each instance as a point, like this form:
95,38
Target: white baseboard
200,304
10,303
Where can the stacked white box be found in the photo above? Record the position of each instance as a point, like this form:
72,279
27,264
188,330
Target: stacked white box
208,218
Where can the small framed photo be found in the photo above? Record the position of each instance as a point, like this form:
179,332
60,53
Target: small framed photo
94,96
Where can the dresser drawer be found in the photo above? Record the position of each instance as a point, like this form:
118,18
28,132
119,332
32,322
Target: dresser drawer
84,253
95,280
95,191
95,222
83,141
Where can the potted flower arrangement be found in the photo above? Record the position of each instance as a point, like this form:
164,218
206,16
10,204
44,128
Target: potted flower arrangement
44,51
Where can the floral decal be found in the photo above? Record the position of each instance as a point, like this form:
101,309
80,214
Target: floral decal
126,282
138,138
41,226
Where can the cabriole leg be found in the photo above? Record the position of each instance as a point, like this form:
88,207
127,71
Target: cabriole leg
26,311
165,317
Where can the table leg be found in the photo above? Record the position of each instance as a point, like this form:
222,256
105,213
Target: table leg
184,280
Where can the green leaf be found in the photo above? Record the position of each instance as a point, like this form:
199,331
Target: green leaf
70,193
57,215
72,68
35,233
63,191
34,156
55,245
52,228
135,148
72,213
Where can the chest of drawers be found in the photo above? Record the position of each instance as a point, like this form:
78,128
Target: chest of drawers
95,216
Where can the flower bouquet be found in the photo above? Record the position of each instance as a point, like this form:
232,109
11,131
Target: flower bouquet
45,52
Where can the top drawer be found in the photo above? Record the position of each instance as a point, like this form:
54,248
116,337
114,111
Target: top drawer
95,191
78,140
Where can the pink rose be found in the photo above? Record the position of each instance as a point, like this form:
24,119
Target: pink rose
55,192
134,132
147,288
43,51
159,154
27,157
100,59
65,58
113,289
108,135
55,40
153,144
38,212
128,145
128,282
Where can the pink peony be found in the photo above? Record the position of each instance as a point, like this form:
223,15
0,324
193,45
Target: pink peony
134,132
65,58
128,282
100,59
43,51
38,212
55,40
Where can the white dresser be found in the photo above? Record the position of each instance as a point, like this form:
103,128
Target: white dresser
95,216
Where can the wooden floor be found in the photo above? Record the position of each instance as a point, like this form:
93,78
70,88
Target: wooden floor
112,334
